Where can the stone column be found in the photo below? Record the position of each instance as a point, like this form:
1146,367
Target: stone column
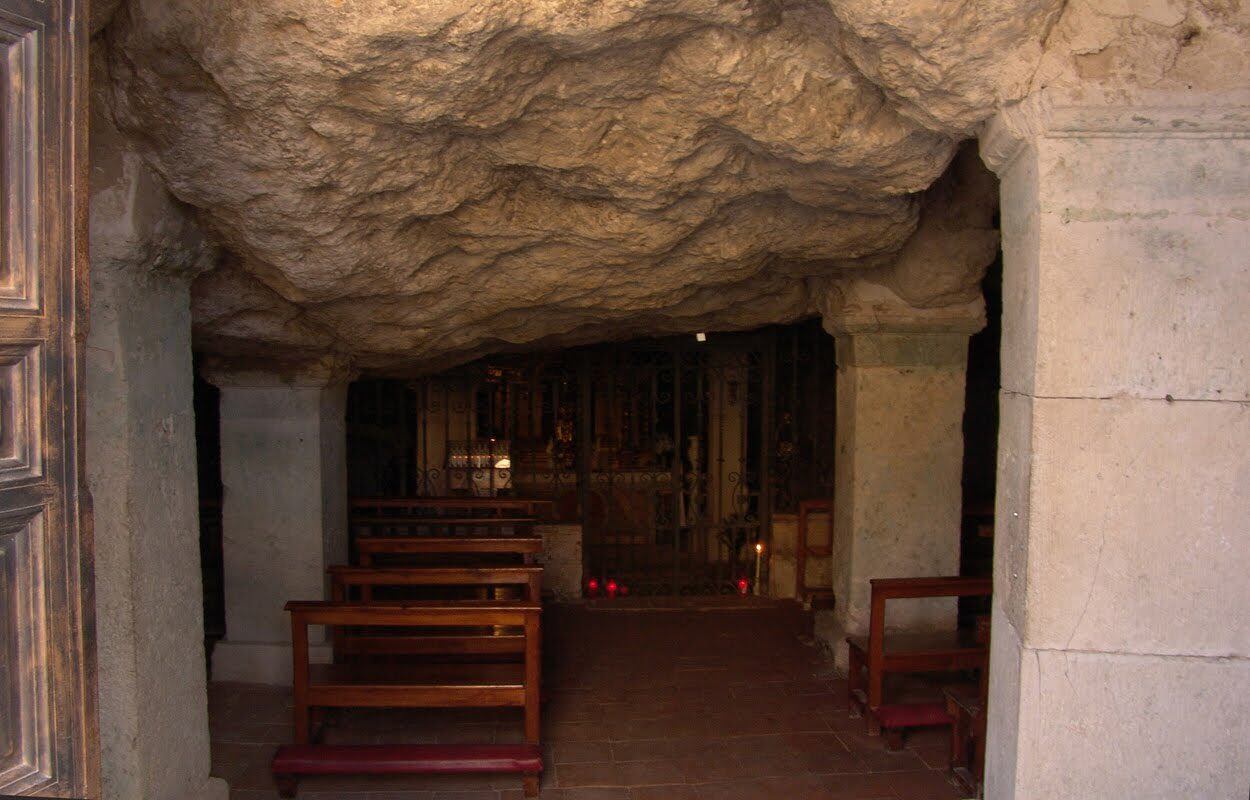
897,490
140,469
284,508
1120,662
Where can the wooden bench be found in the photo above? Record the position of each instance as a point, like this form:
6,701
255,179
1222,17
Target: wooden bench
880,654
321,686
358,583
368,548
454,506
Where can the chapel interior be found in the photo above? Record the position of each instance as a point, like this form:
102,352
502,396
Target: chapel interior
678,399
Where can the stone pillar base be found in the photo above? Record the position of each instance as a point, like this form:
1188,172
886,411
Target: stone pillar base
213,789
260,662
830,630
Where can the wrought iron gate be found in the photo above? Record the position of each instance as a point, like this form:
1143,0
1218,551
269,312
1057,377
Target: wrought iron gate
672,453
673,448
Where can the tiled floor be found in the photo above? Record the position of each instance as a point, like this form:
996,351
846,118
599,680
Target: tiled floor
651,705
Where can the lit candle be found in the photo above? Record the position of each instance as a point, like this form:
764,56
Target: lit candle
759,553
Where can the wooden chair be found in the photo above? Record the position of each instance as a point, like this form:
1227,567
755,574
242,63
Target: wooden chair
368,548
879,654
357,584
803,549
321,686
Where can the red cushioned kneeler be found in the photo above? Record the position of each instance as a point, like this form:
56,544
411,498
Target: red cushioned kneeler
402,759
912,715
428,759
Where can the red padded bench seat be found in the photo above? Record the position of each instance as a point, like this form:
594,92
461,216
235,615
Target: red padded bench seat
293,760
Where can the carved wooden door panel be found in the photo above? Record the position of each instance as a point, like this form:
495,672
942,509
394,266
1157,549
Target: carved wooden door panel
47,664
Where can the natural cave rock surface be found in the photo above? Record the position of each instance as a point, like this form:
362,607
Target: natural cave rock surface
407,185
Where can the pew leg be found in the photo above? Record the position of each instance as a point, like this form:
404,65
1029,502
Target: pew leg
288,785
978,753
303,723
959,743
854,681
529,785
316,723
876,688
872,725
893,739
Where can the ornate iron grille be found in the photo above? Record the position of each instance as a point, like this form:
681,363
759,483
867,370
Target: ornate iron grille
672,454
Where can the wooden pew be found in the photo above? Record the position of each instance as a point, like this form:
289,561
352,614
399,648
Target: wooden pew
368,548
880,653
453,506
357,584
321,686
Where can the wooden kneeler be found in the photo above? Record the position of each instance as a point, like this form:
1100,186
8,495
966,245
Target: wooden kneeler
319,686
873,656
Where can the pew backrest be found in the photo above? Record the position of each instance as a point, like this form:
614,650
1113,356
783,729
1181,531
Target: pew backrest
520,526
368,547
455,506
343,579
885,589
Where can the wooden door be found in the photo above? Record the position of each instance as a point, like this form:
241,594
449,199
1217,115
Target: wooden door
47,664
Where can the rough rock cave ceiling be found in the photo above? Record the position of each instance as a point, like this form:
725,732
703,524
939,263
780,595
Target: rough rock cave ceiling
416,183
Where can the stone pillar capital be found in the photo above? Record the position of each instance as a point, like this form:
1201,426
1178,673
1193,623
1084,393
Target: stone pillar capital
874,327
329,370
1073,113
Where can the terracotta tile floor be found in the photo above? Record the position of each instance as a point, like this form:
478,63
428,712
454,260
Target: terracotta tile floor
663,705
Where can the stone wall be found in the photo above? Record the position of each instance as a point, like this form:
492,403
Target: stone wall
284,511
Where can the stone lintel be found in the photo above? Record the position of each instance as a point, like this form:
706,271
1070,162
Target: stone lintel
313,373
1094,113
